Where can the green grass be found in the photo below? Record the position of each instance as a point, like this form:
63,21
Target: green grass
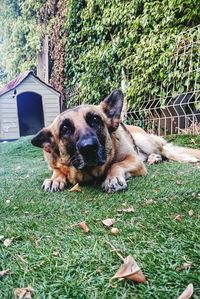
86,263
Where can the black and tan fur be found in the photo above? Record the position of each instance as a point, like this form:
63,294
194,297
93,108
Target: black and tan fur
89,142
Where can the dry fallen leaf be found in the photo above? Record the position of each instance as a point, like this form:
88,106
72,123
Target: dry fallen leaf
130,270
108,222
178,182
4,272
193,141
191,213
7,242
187,293
114,231
37,240
149,201
75,188
128,210
84,226
55,253
24,292
185,266
178,217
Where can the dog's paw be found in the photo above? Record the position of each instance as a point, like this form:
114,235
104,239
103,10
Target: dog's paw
53,185
154,158
114,184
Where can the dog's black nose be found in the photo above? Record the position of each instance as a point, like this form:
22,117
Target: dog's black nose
88,147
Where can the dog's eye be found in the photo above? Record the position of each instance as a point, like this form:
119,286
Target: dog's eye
94,120
66,129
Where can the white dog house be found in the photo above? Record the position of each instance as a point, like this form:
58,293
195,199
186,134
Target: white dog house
27,104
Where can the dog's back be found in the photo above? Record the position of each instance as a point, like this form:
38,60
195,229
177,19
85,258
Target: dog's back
149,144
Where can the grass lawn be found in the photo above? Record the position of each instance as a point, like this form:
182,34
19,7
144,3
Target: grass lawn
60,261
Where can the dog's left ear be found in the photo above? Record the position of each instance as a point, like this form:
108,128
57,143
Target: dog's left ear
112,107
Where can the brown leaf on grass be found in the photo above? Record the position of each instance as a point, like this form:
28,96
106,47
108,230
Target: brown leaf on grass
178,182
114,231
187,293
55,253
193,141
178,217
84,226
75,188
4,272
24,293
108,222
128,210
149,201
130,270
185,266
7,242
37,240
191,213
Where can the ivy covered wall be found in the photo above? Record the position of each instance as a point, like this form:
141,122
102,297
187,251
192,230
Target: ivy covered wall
138,36
92,41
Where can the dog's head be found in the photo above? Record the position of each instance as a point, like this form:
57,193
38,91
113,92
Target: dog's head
82,135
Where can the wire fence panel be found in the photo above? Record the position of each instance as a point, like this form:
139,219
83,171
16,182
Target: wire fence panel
177,111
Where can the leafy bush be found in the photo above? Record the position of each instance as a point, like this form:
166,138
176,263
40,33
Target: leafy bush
105,37
92,43
20,36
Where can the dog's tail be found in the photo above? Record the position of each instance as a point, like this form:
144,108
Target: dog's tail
180,154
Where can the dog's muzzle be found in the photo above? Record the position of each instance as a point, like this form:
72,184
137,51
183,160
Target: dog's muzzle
91,152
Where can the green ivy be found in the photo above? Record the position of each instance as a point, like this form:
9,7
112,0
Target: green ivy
102,38
19,36
138,36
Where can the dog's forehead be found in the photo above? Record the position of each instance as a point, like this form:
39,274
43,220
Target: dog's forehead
76,115
79,113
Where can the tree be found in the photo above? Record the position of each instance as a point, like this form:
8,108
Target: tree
20,35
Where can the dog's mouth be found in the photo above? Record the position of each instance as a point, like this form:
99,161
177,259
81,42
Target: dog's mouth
88,161
89,158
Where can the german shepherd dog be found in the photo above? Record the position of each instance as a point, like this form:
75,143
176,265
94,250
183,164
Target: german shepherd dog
89,142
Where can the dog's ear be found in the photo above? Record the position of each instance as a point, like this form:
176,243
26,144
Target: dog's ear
43,139
112,107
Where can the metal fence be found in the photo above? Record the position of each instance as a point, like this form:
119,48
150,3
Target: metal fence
71,97
174,112
179,113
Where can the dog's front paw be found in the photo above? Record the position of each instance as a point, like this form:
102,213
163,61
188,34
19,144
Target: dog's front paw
54,185
114,184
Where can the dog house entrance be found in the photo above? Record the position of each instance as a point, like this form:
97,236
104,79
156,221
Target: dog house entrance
30,113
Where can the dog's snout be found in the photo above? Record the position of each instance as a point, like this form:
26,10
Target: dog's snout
88,146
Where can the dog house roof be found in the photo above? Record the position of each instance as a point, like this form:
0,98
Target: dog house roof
19,79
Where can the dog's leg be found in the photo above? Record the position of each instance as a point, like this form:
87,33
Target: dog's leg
118,172
154,159
56,183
